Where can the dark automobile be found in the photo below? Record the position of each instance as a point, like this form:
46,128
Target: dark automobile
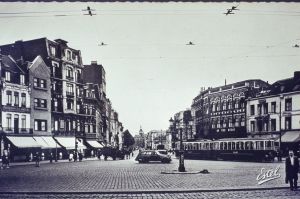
152,155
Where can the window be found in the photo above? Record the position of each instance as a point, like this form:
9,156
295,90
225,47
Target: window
55,104
237,122
224,106
40,125
259,109
288,123
237,103
23,122
55,68
265,108
273,124
16,95
23,99
35,82
266,126
230,104
8,121
252,110
69,55
39,83
9,97
42,83
252,126
40,103
273,107
288,104
70,89
230,124
56,125
53,51
7,76
69,72
70,104
243,121
22,79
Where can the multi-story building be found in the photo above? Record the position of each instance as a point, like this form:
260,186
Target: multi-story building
15,98
65,64
94,74
40,97
220,112
275,112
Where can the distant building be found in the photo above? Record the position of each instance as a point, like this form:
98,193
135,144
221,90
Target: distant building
140,139
156,139
220,112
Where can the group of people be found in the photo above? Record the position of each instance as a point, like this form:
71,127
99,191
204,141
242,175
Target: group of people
73,156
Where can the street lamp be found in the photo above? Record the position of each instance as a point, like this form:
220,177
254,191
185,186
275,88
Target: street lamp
181,167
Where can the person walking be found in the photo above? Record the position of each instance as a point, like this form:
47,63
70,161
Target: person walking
292,169
37,159
51,157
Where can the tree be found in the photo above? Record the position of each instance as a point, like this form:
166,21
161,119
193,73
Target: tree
128,139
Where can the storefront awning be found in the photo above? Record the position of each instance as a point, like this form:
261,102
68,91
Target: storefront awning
69,143
94,144
41,142
51,142
23,142
291,136
47,142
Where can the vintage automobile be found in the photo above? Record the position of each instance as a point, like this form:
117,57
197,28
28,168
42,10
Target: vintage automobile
152,155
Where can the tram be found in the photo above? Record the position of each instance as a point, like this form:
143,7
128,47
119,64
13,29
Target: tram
241,149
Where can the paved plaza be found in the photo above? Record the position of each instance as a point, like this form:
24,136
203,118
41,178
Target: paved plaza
129,179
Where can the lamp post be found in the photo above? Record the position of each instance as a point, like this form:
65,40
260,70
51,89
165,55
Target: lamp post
181,167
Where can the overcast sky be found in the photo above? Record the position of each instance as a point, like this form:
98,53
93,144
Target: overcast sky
151,73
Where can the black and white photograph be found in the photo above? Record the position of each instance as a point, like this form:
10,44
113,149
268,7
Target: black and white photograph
149,99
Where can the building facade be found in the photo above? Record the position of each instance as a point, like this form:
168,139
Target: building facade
275,112
220,112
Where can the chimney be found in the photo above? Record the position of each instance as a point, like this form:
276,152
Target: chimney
297,75
93,62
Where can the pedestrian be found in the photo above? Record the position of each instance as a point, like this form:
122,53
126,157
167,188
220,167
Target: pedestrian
75,156
31,157
3,162
37,159
99,154
60,155
291,169
80,156
70,156
51,157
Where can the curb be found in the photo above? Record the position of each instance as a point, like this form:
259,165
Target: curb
141,191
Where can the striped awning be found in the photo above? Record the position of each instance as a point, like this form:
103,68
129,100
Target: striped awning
94,144
24,142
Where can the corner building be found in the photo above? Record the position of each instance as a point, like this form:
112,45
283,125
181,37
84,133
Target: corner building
220,112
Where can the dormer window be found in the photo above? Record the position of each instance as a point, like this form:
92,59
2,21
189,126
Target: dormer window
22,79
69,54
7,76
53,51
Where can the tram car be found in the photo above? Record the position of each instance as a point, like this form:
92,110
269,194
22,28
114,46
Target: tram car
241,149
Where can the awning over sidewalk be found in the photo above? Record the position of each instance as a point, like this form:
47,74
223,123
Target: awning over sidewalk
94,144
69,143
291,136
41,142
47,142
23,142
51,142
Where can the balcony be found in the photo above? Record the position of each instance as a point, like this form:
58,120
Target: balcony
9,130
90,135
69,94
10,108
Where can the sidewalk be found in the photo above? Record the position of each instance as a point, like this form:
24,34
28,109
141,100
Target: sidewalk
13,164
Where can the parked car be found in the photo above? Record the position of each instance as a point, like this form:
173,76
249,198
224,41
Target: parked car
152,155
